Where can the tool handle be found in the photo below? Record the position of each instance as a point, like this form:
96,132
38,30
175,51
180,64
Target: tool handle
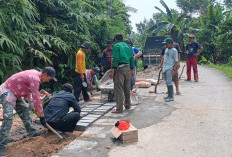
53,131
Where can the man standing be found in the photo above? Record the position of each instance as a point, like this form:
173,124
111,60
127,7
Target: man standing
170,65
193,49
80,72
12,91
175,78
56,112
136,54
123,63
107,58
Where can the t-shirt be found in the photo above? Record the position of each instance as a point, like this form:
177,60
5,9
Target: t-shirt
80,62
170,57
175,45
59,106
135,51
192,49
122,55
107,58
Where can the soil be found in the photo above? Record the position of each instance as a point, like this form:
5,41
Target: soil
42,146
149,73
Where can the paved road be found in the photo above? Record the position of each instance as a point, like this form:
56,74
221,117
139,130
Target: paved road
201,124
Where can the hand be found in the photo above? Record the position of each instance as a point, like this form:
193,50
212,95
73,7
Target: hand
82,77
111,74
42,121
178,65
132,73
173,72
102,68
159,67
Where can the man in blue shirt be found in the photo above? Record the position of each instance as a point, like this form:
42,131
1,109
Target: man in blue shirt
56,112
193,49
170,65
136,54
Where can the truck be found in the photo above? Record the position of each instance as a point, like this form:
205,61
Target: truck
152,51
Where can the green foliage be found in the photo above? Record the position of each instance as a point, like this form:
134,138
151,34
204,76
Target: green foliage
139,65
37,33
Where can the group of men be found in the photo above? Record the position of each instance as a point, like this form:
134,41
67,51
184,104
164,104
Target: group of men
121,58
170,63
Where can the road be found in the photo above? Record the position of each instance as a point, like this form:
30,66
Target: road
200,126
198,123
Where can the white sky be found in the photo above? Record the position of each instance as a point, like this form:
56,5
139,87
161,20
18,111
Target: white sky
146,9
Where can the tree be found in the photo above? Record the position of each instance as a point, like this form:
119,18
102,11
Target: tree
194,6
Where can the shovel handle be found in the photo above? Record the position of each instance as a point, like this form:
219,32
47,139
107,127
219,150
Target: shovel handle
53,131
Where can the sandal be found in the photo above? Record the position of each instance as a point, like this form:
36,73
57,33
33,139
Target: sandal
178,93
116,111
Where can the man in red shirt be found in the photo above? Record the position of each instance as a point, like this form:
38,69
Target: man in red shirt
107,57
19,87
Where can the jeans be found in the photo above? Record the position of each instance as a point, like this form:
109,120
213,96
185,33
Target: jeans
133,79
168,77
78,88
24,114
122,84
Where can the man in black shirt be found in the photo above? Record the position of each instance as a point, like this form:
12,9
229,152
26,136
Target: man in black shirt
56,112
175,76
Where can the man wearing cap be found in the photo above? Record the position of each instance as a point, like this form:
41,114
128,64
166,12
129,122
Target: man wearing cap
175,78
13,91
80,72
123,65
57,111
91,77
170,65
107,57
193,49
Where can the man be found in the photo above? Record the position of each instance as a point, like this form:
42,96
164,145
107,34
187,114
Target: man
193,49
107,57
136,54
175,78
123,63
91,77
12,91
56,112
170,65
80,72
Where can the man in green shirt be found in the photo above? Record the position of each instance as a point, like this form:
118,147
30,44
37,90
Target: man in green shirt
121,72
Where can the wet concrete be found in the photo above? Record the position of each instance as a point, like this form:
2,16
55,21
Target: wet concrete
98,139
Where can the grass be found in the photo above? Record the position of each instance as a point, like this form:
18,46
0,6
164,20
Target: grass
225,68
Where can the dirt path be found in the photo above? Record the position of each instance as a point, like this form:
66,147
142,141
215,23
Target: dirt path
200,126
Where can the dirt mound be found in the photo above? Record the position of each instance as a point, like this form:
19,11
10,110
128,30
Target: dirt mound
42,146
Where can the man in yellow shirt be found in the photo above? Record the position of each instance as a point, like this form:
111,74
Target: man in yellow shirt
80,72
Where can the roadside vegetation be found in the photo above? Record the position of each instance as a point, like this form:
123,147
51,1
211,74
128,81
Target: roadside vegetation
225,68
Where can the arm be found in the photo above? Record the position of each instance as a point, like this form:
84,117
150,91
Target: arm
116,51
74,104
34,86
200,50
176,62
79,60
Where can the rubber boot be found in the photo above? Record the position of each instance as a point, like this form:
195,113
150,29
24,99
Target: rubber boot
3,152
167,93
170,94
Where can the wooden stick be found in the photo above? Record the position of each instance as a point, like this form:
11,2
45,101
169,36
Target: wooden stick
181,72
158,81
53,131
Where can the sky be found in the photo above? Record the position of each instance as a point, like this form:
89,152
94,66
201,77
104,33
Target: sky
145,9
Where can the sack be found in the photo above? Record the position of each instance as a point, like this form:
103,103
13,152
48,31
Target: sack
143,84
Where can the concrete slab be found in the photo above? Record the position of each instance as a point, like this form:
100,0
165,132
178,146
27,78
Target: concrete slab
82,126
110,104
88,120
94,115
96,103
87,109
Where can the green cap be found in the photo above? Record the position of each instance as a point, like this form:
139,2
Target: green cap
168,40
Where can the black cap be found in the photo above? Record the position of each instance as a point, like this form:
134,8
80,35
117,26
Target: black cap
67,87
51,72
86,45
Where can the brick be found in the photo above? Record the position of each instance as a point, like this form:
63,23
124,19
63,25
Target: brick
105,107
87,120
110,104
96,103
82,126
94,115
87,109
